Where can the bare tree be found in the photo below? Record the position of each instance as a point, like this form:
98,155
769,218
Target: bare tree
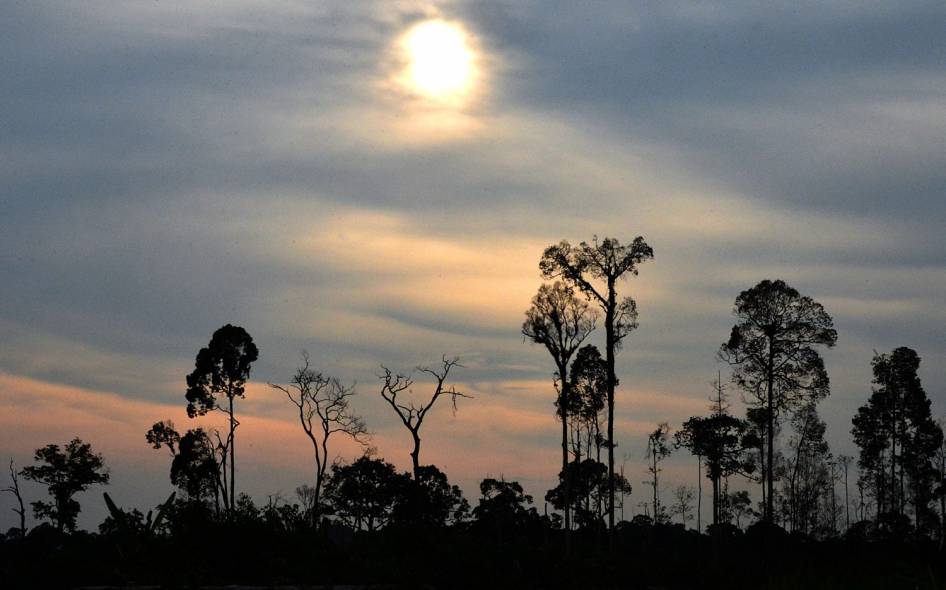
683,503
561,322
306,496
412,415
324,409
658,449
14,488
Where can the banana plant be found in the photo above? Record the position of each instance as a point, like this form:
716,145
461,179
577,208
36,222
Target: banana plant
152,521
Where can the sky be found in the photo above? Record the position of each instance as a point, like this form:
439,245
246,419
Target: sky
293,168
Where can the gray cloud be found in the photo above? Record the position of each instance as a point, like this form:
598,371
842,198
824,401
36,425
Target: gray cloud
169,168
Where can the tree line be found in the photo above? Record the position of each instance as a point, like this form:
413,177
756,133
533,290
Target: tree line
778,447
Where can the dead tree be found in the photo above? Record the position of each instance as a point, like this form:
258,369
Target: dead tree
323,406
14,488
412,415
683,503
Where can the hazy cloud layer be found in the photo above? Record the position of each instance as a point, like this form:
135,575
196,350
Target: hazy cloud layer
170,167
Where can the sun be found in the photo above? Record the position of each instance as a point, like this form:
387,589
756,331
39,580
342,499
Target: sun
440,61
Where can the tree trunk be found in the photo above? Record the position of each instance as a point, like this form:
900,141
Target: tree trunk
216,496
699,491
232,452
716,500
415,454
834,504
847,501
609,345
321,466
566,479
770,419
598,507
894,502
656,501
762,474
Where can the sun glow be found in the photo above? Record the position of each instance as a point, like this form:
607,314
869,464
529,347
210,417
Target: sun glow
440,61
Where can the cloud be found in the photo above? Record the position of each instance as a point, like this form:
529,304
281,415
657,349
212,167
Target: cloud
171,168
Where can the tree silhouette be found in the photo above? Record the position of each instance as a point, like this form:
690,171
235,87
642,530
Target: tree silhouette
683,503
658,449
364,494
721,440
589,488
411,415
429,500
844,461
898,439
65,472
807,474
163,434
323,404
14,489
587,397
594,269
503,506
939,459
221,371
306,496
740,506
196,462
772,352
561,322
196,469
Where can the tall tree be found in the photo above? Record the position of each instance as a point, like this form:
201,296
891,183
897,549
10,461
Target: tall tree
324,409
595,269
658,449
898,439
774,359
65,472
221,371
411,414
561,322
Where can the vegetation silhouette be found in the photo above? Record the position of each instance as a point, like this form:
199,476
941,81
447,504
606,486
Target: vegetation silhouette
221,369
561,322
595,269
364,522
324,409
771,351
412,415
